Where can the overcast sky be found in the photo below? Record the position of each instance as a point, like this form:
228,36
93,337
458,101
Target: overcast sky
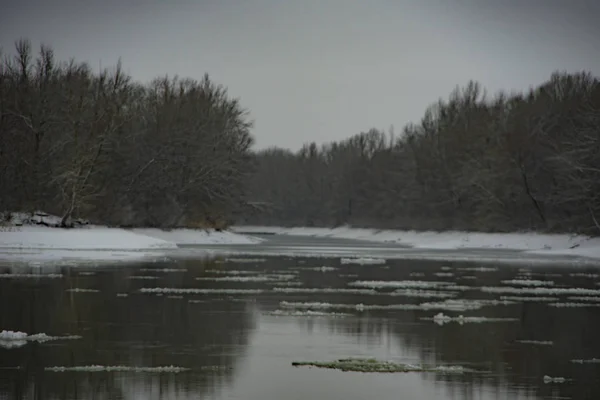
320,70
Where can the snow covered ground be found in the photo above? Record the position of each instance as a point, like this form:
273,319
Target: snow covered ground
534,243
35,239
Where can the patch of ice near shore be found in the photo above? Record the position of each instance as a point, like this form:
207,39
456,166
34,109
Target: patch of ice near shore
442,319
400,284
325,290
533,299
363,261
117,368
574,305
264,278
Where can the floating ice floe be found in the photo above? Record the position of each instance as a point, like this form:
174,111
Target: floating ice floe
30,276
446,268
442,319
306,313
444,274
87,273
246,260
478,269
82,290
143,277
11,339
587,361
325,290
549,379
122,295
537,342
162,269
322,269
574,305
233,272
533,299
528,282
584,275
200,291
117,368
363,261
265,278
417,274
585,298
447,305
400,284
423,293
540,290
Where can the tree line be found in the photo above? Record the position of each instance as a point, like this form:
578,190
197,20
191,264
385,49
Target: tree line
96,144
519,161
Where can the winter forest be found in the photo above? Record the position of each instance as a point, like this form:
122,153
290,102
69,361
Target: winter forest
78,142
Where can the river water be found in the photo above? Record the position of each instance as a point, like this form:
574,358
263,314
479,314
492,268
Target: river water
230,328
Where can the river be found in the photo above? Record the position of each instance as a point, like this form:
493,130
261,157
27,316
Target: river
230,326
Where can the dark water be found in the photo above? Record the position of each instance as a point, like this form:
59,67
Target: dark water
234,349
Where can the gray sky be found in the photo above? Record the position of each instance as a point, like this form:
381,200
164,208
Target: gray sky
320,70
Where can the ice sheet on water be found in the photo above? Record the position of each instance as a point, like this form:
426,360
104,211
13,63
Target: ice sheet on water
537,342
12,339
423,293
322,269
325,290
163,270
447,305
584,275
540,290
266,278
584,298
528,282
587,361
233,272
87,273
167,290
549,379
122,295
143,277
478,269
82,290
30,276
400,284
245,260
534,299
117,368
306,313
444,274
363,261
441,319
574,305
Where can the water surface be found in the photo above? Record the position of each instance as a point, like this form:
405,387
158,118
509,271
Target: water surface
234,347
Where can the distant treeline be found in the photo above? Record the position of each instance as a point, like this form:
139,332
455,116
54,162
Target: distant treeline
96,144
527,161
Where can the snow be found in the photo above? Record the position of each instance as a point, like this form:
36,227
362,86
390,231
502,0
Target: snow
28,239
97,238
535,243
197,236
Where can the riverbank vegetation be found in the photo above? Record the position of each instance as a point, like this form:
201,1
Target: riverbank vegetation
507,162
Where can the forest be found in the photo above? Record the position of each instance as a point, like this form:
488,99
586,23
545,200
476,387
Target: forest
504,162
80,143
176,152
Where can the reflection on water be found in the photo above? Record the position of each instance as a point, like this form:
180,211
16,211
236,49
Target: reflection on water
235,348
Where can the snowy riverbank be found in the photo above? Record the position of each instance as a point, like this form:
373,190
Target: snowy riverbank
534,243
31,241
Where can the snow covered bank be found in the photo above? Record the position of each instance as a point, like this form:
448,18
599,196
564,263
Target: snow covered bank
541,244
197,236
97,238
